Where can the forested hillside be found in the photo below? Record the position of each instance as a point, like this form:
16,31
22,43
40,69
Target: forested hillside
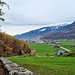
12,46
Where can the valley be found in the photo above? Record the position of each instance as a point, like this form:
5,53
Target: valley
57,65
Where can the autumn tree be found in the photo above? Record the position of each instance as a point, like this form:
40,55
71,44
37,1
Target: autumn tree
1,47
16,45
27,49
8,44
12,46
21,52
1,51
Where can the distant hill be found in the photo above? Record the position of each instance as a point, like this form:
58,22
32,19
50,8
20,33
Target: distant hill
41,32
35,34
64,32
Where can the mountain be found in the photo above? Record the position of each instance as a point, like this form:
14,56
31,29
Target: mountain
63,32
35,34
43,32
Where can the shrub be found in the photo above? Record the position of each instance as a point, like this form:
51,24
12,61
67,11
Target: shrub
71,53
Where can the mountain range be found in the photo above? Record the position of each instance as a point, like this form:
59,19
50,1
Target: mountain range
63,32
54,32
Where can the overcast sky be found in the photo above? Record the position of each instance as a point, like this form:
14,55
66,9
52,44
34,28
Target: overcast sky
26,15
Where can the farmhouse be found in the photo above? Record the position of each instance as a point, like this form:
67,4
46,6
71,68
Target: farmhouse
33,53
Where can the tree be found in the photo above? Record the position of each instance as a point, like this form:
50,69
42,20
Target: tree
2,3
21,52
1,51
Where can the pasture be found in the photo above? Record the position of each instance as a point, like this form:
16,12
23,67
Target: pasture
47,65
68,44
43,49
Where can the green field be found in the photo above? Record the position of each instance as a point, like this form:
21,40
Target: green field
47,65
43,49
68,44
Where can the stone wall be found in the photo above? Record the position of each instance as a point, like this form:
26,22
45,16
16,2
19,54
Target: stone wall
14,69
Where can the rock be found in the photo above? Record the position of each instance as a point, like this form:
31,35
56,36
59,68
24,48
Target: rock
14,69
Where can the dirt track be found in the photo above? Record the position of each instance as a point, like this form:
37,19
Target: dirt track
65,49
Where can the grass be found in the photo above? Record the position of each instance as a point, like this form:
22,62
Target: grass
43,49
68,47
47,66
68,44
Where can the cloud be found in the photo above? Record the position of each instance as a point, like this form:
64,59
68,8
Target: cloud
19,19
34,12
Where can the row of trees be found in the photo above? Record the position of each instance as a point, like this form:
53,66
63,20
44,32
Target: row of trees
12,46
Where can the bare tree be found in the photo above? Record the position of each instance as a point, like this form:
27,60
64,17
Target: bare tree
2,3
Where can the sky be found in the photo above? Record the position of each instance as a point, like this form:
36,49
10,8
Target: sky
27,15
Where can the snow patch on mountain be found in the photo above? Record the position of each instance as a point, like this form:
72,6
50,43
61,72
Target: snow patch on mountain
38,33
61,24
42,30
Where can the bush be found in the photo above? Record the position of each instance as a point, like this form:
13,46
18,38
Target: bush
71,53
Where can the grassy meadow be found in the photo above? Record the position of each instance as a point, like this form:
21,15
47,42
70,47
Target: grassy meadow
47,65
68,44
43,49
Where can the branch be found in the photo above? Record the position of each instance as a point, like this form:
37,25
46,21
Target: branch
1,13
4,3
2,19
